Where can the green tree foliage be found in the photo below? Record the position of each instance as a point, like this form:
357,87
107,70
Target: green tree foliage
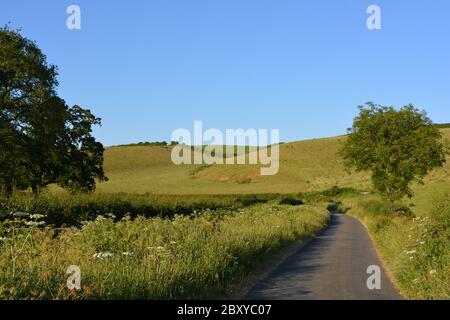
42,140
396,146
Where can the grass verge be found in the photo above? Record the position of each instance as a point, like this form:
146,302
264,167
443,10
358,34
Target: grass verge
199,256
416,249
70,210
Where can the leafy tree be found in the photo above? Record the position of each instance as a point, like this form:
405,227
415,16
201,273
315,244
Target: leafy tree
396,146
83,162
42,140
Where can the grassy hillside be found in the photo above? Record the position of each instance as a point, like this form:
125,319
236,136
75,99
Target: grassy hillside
304,166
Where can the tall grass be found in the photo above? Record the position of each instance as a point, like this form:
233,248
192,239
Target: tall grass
65,209
199,256
415,248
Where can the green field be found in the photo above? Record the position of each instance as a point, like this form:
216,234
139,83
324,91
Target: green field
304,166
309,165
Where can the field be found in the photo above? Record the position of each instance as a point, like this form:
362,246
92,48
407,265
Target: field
304,166
309,165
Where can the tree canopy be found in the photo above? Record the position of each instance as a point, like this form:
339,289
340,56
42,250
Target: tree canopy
42,140
396,146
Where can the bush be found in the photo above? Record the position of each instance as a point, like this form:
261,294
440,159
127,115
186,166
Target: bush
330,195
336,207
376,208
290,201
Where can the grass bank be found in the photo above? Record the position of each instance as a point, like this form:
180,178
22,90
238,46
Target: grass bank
66,209
198,256
414,247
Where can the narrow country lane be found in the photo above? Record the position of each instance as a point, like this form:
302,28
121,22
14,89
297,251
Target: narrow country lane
332,266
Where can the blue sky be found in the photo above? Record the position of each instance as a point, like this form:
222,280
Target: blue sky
149,67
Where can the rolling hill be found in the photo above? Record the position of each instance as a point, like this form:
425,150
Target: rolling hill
304,166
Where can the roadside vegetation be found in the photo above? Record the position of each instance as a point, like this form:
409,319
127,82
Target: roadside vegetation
203,255
65,209
414,247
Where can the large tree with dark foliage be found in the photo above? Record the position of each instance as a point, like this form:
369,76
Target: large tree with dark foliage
42,140
396,146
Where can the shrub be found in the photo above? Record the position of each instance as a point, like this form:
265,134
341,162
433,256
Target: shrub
336,207
329,195
288,200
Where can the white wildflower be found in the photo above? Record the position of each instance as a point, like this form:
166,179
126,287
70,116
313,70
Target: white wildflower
35,224
103,255
432,272
127,254
20,215
37,216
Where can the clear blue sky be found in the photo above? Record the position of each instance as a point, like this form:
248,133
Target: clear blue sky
149,67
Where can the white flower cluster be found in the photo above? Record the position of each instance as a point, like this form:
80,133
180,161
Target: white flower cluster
109,255
37,216
103,255
35,223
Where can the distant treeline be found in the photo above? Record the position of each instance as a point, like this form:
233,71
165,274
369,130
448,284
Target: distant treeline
148,143
174,143
443,125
